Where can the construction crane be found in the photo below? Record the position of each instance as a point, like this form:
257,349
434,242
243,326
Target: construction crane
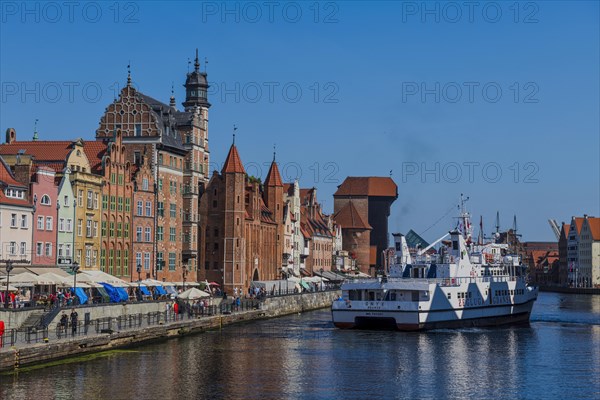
555,228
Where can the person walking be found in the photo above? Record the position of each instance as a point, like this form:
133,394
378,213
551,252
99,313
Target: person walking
175,309
73,322
64,321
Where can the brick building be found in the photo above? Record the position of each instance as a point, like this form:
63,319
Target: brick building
242,226
362,207
143,219
175,143
318,229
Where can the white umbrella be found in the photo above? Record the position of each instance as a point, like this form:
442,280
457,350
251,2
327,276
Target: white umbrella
11,288
192,294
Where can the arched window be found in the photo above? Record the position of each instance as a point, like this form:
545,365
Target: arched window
45,200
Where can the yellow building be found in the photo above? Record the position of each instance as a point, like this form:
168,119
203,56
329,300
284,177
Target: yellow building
87,187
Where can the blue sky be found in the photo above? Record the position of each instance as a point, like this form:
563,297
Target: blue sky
499,101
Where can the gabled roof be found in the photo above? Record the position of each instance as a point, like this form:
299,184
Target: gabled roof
233,163
349,218
565,229
273,177
367,186
578,224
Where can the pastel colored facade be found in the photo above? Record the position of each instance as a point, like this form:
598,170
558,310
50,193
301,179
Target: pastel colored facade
45,197
573,252
292,199
87,187
144,222
319,228
176,146
66,217
16,213
589,252
362,207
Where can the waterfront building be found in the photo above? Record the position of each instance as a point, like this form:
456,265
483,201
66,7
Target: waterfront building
589,252
66,216
573,252
45,213
292,198
144,221
242,225
176,145
16,213
318,228
563,265
362,207
108,160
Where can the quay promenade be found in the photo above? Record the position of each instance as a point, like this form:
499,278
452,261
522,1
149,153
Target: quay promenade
122,327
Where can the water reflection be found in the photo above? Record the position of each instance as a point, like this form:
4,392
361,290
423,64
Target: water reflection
303,356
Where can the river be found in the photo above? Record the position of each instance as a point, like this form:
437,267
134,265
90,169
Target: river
304,356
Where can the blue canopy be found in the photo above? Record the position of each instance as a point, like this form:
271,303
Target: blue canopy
123,296
112,292
82,296
145,290
160,290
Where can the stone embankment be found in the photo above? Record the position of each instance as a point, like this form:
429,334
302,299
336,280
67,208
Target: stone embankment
18,356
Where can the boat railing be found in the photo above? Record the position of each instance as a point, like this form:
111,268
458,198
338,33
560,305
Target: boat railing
454,281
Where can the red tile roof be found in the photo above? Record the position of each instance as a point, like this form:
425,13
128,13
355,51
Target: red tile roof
7,177
367,186
273,177
349,218
288,188
578,224
42,150
94,151
233,163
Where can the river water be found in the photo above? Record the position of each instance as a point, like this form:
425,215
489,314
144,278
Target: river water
304,356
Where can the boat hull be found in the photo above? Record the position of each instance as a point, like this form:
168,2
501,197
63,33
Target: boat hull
417,320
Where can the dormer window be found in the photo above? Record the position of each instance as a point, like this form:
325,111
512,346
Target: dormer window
14,193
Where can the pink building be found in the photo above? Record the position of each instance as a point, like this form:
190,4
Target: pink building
45,193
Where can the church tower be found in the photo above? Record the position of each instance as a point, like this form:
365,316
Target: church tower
196,87
273,196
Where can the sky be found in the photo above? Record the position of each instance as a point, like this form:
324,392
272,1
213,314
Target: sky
496,100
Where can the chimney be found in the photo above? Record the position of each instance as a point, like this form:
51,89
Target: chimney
11,135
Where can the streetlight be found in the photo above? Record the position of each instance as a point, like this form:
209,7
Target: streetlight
9,267
184,274
321,279
74,268
139,270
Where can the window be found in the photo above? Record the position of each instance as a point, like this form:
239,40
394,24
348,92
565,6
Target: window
61,224
13,220
90,199
161,209
113,178
94,258
140,207
111,261
113,202
48,223
67,250
119,229
172,234
172,258
127,205
102,259
24,221
40,223
39,248
23,248
120,204
88,228
88,256
80,198
126,230
79,226
138,234
111,231
60,250
160,181
12,248
69,225
138,259
137,159
148,235
95,229
104,201
148,209
48,249
145,184
173,210
66,201
103,232
159,261
159,233
121,179
147,261
95,201
45,200
138,129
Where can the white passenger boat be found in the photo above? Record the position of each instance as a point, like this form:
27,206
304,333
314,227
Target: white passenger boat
462,285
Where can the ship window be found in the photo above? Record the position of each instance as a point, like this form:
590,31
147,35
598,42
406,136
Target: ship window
449,295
